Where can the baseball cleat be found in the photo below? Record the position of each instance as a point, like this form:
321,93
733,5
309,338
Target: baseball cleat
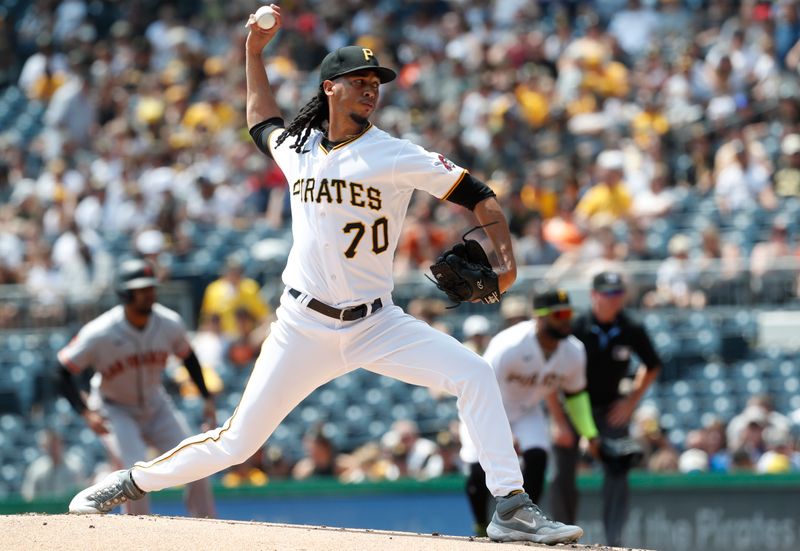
115,489
517,518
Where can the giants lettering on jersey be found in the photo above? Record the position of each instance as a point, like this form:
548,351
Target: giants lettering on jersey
328,191
550,380
154,358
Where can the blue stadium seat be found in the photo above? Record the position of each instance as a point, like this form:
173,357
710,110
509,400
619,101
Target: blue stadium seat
335,434
310,414
12,426
356,414
11,475
653,322
791,385
686,412
57,340
402,411
446,409
680,389
725,407
285,436
665,344
699,321
7,447
668,421
331,400
712,371
192,409
376,397
719,387
344,383
377,428
786,368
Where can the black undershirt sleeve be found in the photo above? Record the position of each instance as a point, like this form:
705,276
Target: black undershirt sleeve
196,373
469,192
261,131
70,390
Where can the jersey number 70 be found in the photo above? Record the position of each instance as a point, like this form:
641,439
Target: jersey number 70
380,236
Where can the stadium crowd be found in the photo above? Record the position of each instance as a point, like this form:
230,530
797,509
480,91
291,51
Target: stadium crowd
599,124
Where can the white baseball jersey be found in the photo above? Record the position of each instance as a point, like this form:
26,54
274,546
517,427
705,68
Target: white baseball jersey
348,206
525,376
128,362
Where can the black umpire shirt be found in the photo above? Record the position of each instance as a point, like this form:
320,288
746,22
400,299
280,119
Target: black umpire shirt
609,348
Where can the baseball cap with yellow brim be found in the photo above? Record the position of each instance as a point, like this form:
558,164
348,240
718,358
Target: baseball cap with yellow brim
551,301
350,59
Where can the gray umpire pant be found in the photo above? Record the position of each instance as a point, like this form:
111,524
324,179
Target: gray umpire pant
616,493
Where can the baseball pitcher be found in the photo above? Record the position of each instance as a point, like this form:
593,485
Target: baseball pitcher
350,184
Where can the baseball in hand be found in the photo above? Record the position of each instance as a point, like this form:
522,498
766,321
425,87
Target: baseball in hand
265,17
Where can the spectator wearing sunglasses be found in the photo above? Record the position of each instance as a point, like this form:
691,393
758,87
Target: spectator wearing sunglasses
531,360
611,338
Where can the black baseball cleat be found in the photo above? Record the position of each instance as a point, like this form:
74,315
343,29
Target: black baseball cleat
115,489
517,518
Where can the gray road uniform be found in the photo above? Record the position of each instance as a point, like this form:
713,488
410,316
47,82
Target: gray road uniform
126,388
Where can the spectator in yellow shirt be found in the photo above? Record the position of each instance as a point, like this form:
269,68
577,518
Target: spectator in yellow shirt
649,122
212,114
608,199
233,292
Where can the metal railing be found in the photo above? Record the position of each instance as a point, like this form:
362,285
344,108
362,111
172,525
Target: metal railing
722,286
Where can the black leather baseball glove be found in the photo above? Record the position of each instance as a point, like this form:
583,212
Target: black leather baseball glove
465,274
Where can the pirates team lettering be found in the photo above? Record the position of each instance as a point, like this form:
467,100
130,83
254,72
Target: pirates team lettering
327,191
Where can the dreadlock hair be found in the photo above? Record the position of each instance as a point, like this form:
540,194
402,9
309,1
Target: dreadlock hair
312,116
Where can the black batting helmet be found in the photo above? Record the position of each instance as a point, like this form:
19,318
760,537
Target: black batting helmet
136,273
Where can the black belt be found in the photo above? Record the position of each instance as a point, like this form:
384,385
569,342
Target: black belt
345,314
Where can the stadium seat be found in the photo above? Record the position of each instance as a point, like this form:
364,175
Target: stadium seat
787,368
724,406
11,475
376,397
447,410
335,434
719,387
681,389
402,411
377,428
310,415
712,371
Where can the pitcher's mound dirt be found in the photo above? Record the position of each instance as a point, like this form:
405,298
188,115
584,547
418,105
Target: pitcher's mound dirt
154,533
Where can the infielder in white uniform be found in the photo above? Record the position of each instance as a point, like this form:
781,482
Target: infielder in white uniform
531,360
350,185
128,347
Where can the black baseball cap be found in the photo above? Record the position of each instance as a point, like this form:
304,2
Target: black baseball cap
550,300
350,59
608,283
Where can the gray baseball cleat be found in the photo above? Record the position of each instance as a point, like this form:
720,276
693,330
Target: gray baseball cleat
517,518
115,489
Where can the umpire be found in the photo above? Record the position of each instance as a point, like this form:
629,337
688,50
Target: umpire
610,338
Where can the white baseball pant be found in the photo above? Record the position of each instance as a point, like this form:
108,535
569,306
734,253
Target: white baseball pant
531,430
305,350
